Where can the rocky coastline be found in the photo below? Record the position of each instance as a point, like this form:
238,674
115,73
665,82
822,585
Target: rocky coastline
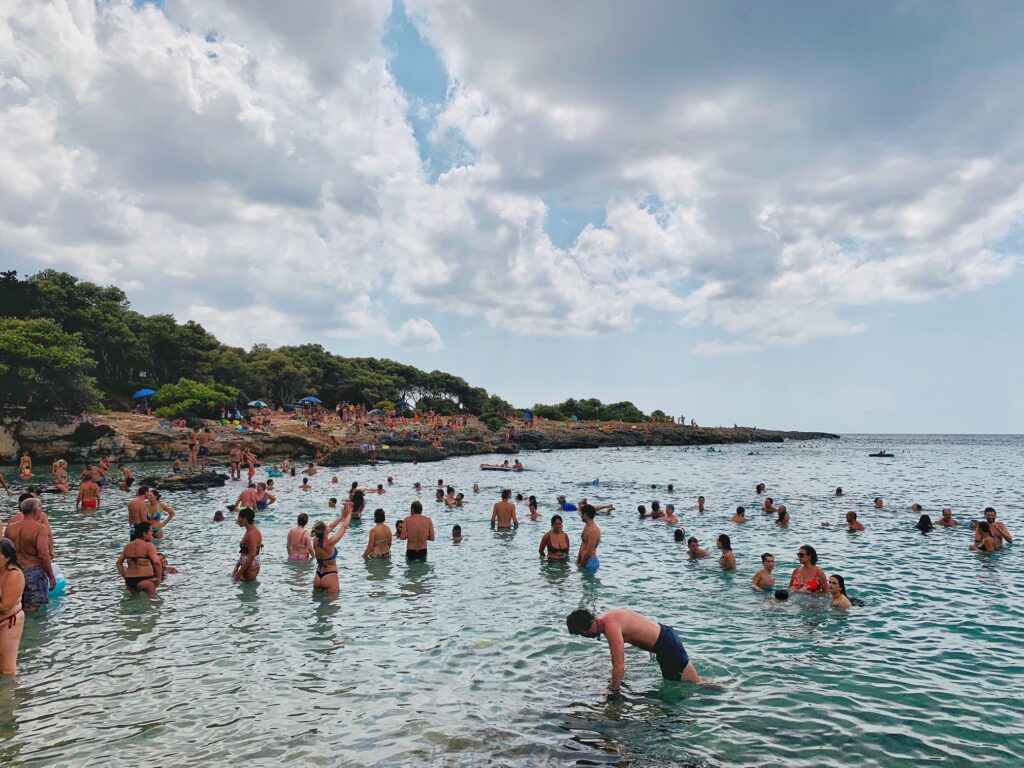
130,437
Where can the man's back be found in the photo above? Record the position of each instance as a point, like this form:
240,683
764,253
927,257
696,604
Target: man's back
418,529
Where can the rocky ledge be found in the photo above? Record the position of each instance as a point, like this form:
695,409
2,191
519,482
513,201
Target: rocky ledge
130,437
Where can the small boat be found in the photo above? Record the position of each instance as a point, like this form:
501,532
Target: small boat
881,455
501,468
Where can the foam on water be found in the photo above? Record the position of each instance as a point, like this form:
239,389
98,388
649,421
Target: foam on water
464,660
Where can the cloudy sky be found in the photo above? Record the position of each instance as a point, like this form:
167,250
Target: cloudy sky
801,214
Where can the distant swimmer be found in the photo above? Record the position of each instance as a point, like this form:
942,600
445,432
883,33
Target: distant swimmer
808,577
378,546
759,488
601,509
924,524
503,515
852,523
620,626
700,503
740,516
532,508
837,589
305,485
518,466
679,534
670,514
879,504
915,507
783,516
589,541
656,511
998,527
764,580
839,492
139,564
554,544
248,566
769,506
694,551
728,558
947,520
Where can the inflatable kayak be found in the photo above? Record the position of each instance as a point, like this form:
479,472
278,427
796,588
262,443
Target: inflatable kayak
501,468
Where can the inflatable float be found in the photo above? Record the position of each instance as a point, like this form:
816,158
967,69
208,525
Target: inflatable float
881,455
501,468
62,582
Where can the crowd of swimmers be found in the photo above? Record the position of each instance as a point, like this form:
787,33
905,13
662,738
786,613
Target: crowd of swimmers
27,572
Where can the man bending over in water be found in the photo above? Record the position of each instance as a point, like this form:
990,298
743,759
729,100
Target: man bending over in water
620,626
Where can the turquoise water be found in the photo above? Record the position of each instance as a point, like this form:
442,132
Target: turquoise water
465,660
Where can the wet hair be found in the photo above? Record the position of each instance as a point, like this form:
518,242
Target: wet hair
759,488
642,510
924,524
740,511
141,529
990,509
378,515
506,494
842,583
218,517
519,496
332,500
984,527
769,500
724,542
839,491
766,555
692,540
319,531
456,529
358,502
555,517
878,499
782,512
415,507
588,511
380,486
533,501
678,534
248,514
305,481
851,515
811,553
655,506
449,489
669,488
10,553
293,471
701,498
302,519
782,594
579,621
355,484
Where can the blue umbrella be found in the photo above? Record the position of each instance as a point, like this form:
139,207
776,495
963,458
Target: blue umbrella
143,393
311,399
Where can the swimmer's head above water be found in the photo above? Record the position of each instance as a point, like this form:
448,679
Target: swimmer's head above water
581,622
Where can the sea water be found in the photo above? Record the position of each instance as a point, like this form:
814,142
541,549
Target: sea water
465,659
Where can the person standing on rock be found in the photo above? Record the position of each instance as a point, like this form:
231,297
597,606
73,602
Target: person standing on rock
205,441
235,457
193,448
88,495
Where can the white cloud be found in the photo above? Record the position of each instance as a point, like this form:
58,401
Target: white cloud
252,161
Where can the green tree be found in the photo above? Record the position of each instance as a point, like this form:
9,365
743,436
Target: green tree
44,369
192,398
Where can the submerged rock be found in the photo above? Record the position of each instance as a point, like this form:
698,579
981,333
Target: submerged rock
186,481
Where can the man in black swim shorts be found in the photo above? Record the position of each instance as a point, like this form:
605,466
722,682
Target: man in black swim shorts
620,626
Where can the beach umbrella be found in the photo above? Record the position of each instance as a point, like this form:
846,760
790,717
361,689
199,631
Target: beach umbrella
143,393
311,399
375,412
257,404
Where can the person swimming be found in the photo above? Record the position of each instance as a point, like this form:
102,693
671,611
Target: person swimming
728,558
740,516
837,589
924,524
764,579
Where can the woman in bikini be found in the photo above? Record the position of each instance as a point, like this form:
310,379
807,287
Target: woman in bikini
379,545
193,448
299,543
325,550
808,577
555,543
139,563
25,466
248,566
12,617
158,514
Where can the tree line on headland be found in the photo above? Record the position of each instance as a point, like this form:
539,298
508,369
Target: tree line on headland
68,346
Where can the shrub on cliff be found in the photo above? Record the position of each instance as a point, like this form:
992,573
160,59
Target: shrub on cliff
192,398
493,421
43,369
